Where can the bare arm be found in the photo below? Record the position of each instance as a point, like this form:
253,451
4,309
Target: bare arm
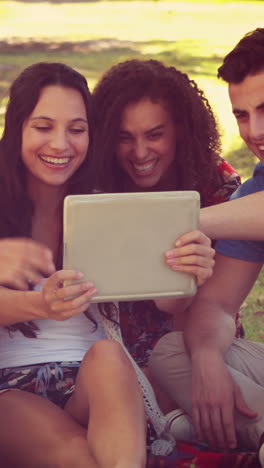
55,301
212,313
209,332
237,219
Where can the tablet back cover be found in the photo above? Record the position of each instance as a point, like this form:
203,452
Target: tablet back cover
118,241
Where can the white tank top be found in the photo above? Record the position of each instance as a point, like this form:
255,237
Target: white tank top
56,341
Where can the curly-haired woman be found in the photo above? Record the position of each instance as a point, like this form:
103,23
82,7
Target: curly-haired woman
156,131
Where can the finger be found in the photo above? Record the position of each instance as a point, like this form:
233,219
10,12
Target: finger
57,279
191,249
44,267
80,301
73,291
35,255
62,316
206,427
218,428
241,405
193,236
229,426
195,260
31,276
196,270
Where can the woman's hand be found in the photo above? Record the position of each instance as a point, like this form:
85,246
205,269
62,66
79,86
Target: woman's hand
62,302
192,254
24,262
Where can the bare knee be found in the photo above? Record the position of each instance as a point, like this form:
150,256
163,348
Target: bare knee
106,352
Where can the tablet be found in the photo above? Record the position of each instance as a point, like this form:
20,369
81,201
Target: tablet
119,240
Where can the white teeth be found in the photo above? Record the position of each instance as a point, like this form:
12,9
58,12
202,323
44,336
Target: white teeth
57,161
261,147
144,167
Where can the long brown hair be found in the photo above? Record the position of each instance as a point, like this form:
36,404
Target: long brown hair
16,207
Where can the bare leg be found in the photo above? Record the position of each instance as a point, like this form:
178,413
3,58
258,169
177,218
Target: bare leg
108,393
36,433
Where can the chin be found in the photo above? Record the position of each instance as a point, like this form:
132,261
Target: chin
146,184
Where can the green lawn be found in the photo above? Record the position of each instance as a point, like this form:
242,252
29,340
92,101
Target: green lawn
191,35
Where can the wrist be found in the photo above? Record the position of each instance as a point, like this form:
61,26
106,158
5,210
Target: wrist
205,354
36,305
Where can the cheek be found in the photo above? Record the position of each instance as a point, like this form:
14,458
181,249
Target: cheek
32,143
82,146
168,150
243,131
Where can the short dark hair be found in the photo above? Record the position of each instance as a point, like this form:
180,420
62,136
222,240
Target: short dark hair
15,205
247,58
133,80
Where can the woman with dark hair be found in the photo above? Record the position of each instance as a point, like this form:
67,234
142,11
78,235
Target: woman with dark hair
46,341
155,131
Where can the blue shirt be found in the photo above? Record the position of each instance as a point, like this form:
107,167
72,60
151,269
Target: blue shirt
252,251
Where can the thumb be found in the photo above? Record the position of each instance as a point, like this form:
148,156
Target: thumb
242,407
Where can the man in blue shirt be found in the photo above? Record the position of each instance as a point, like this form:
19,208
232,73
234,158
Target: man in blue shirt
218,379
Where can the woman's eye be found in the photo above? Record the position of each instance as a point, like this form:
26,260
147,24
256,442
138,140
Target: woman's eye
155,136
77,130
42,129
124,137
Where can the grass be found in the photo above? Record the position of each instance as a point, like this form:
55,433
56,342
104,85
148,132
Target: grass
92,36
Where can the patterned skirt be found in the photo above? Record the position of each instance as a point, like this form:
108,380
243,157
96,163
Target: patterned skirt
54,381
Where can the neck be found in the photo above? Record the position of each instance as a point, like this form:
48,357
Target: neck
47,199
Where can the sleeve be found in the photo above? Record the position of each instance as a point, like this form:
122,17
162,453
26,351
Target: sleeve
229,182
252,251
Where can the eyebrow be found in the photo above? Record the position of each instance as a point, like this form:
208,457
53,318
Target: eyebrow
43,117
238,111
260,106
241,111
151,130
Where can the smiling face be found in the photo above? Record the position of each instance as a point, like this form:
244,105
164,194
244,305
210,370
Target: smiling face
147,144
55,137
247,99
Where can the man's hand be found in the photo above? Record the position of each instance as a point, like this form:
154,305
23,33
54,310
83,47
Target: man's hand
215,397
24,262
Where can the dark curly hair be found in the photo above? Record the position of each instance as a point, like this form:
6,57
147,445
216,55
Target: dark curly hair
16,207
133,80
247,58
